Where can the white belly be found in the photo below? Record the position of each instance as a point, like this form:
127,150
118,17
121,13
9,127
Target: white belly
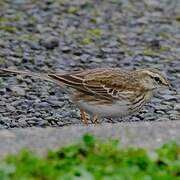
118,109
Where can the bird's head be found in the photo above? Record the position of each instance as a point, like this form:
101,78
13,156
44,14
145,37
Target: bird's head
154,80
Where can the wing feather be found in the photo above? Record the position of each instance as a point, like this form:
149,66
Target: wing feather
98,82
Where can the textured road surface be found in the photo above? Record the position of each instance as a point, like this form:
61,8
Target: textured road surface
149,135
68,35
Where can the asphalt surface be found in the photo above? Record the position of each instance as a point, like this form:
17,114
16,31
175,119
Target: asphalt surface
149,135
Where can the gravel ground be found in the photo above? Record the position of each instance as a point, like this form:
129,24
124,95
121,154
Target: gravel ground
56,35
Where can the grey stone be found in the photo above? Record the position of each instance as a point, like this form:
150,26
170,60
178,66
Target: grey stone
98,60
173,112
168,97
151,117
5,120
22,122
2,102
10,108
17,103
32,121
19,2
84,57
106,50
2,91
49,42
162,107
42,122
65,49
34,46
55,103
174,117
164,119
18,90
2,110
42,105
134,118
177,107
149,59
160,112
37,114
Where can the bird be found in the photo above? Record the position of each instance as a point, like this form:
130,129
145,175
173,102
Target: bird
106,92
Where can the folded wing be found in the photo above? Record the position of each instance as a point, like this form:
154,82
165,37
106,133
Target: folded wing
99,82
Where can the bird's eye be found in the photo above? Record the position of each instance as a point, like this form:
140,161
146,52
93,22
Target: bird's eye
157,79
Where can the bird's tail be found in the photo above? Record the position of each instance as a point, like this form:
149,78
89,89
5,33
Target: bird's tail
57,78
5,72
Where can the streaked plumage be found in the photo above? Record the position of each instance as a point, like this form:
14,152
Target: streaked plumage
108,92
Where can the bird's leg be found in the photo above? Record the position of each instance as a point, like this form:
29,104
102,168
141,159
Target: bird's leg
84,119
94,120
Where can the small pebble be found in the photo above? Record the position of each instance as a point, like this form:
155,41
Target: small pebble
177,107
18,90
50,43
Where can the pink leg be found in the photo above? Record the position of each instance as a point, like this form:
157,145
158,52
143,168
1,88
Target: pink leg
84,119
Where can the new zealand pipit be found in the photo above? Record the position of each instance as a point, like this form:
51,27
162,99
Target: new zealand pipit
106,92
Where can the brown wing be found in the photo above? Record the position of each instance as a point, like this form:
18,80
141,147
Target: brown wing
107,83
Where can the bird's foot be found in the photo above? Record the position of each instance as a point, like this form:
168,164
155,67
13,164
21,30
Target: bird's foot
84,117
94,120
